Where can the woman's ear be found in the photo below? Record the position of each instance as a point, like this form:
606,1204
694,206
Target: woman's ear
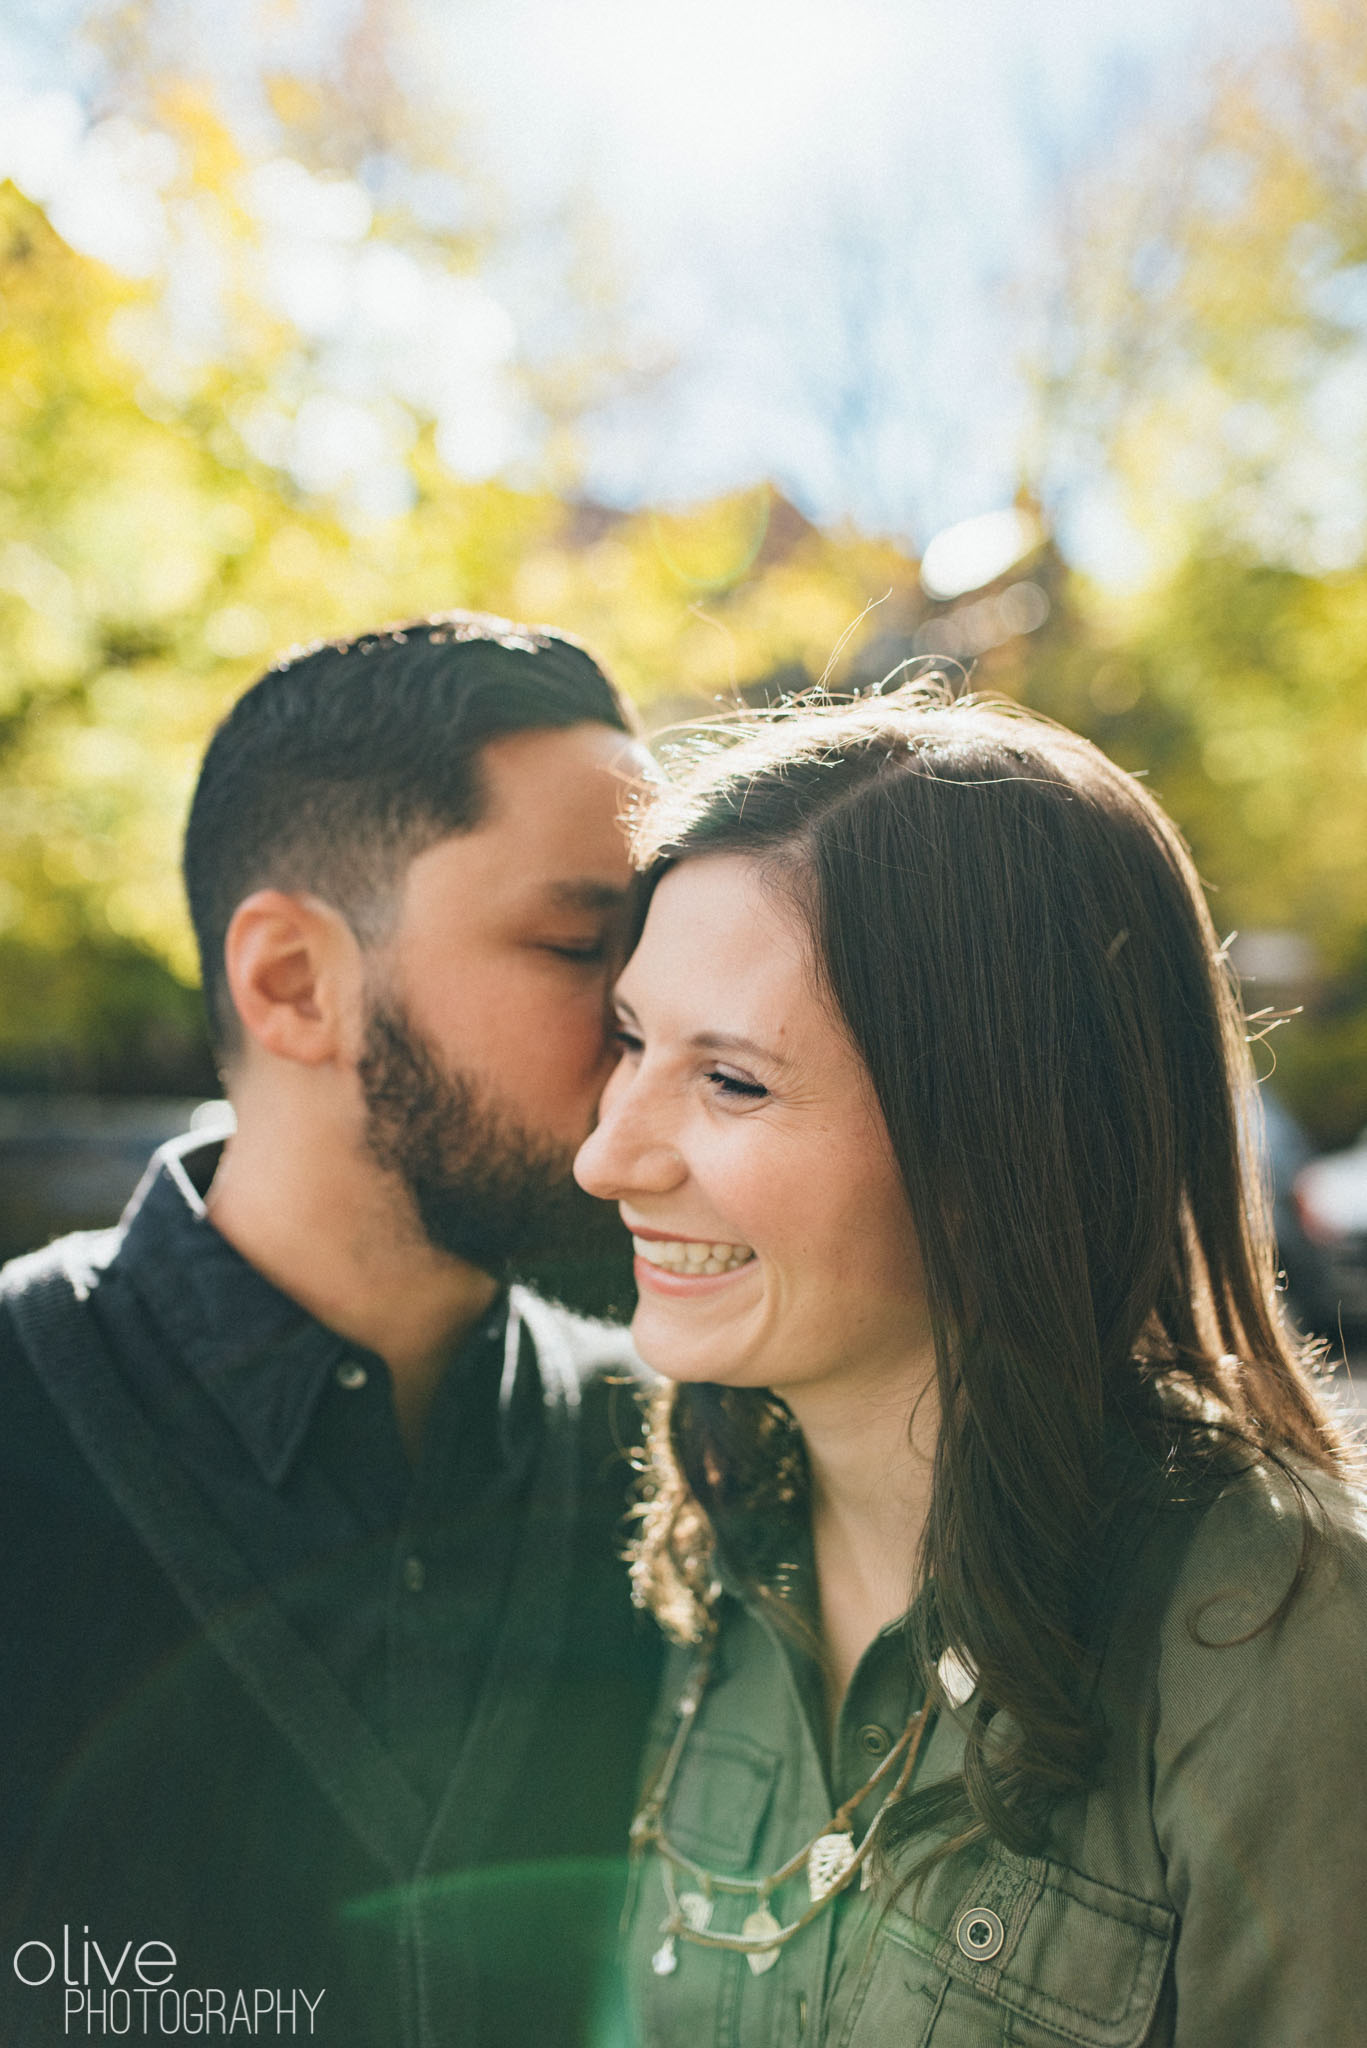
294,969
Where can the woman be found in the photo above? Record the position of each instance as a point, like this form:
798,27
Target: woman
1013,1558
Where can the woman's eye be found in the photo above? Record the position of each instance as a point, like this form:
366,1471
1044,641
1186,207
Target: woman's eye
627,1040
732,1084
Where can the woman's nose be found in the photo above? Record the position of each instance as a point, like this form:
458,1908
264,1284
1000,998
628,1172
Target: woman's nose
627,1152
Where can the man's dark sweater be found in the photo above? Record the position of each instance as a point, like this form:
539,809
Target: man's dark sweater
312,1720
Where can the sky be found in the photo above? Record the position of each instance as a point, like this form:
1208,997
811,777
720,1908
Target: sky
825,222
837,212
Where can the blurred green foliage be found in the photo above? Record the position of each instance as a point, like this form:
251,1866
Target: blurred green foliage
1210,321
151,565
1236,687
1209,360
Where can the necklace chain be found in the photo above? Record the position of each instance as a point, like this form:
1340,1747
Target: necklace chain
647,1831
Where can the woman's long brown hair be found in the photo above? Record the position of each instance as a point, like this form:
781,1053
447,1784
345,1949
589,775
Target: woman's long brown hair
1017,941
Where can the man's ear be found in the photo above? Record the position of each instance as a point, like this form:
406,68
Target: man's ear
294,970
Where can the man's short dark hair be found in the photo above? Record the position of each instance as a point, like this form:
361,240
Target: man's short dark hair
350,758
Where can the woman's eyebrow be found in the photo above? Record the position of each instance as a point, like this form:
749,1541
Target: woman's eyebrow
716,1041
727,1041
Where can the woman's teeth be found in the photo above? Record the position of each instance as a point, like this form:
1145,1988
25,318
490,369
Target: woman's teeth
683,1255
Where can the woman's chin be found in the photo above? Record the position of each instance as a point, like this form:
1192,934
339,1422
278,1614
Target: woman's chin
684,1347
695,1326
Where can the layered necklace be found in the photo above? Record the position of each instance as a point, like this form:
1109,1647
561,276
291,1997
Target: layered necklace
831,1858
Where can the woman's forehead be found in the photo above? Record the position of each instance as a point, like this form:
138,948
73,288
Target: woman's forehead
726,955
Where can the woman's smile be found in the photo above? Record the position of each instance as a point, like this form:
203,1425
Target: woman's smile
678,1264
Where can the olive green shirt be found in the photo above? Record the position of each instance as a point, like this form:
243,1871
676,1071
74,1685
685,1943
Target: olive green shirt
1210,1890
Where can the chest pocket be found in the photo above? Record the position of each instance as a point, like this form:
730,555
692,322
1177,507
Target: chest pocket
708,1999
1073,1961
717,1807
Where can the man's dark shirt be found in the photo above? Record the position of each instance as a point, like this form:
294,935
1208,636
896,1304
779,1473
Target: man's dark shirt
395,1576
312,1717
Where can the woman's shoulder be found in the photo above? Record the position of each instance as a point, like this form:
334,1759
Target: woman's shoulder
1248,1754
1268,1526
1255,1577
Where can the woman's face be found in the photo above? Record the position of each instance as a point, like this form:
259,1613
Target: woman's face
741,1140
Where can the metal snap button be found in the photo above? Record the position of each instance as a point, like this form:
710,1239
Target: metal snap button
415,1578
979,1934
351,1374
873,1740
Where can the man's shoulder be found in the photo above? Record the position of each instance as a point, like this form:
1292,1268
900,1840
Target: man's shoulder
43,1296
70,1266
46,1329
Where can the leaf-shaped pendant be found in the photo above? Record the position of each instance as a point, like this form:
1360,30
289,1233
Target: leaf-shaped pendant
665,1960
761,1921
828,1860
696,1910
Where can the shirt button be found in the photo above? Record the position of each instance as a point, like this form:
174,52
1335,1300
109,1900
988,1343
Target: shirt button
351,1374
873,1740
414,1574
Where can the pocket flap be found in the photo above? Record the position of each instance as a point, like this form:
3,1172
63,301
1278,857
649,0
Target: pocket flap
715,1810
1078,1958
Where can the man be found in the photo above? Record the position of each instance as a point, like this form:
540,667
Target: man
320,1697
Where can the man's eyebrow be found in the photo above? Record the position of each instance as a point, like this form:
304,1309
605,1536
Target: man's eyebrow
587,895
716,1041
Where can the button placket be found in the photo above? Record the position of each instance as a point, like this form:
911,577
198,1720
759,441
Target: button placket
871,1719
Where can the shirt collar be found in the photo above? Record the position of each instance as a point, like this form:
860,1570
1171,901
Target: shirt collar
261,1358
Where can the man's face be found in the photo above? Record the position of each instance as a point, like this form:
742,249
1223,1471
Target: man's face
486,1043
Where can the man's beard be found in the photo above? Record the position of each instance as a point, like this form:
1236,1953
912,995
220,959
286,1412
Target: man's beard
485,1188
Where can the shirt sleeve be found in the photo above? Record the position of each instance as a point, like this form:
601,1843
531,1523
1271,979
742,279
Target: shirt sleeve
1260,1773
